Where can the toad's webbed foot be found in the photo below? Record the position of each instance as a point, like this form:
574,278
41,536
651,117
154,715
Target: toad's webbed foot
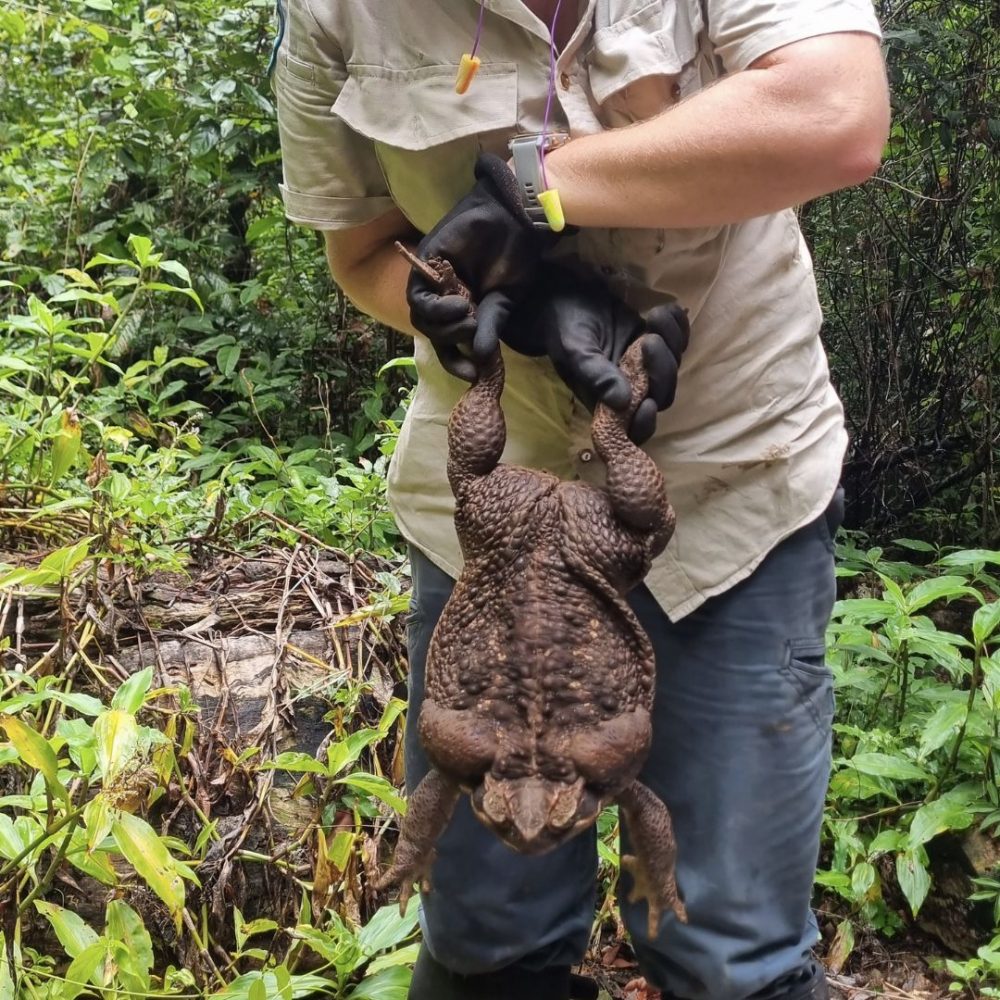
652,865
430,809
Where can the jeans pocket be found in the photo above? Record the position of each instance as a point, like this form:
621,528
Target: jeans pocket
806,670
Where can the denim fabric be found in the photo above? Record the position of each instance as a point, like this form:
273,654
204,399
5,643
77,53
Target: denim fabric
740,754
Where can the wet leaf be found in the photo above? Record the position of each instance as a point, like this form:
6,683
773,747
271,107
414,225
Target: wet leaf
387,928
843,945
84,969
914,879
117,737
35,751
389,984
883,765
950,812
145,852
73,932
130,696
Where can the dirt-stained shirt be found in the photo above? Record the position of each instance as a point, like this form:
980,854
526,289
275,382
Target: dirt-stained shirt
369,119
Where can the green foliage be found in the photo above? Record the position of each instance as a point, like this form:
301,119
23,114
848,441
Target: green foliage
917,749
906,266
76,425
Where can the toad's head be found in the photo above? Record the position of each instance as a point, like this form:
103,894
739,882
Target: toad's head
533,813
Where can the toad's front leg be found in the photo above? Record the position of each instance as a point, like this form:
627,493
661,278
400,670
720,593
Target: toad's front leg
652,865
430,809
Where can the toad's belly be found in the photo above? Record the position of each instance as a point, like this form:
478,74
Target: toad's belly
542,645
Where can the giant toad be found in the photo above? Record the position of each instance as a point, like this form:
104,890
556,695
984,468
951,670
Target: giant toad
539,677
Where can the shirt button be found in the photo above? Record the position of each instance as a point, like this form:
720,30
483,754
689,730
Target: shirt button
564,81
586,455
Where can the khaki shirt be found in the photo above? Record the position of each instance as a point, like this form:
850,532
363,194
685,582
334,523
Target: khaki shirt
752,447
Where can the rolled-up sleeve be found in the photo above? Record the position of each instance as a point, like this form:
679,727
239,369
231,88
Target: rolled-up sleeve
332,178
744,30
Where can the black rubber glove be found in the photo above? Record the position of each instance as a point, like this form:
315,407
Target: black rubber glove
585,329
494,249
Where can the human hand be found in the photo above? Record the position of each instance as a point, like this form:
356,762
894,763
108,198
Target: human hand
585,330
494,249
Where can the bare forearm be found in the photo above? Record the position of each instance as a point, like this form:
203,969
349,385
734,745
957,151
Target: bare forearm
370,271
756,142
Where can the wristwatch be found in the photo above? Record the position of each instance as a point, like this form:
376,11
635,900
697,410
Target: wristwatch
527,151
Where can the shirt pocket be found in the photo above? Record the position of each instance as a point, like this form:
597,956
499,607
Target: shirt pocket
643,57
426,136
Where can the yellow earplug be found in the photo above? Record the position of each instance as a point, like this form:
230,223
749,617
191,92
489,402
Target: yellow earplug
466,71
552,207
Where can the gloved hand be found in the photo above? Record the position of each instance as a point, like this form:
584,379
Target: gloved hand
585,329
489,240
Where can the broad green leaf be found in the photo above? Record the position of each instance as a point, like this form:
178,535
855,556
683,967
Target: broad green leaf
8,364
103,258
144,850
262,226
6,976
401,956
303,985
123,924
295,762
863,878
883,765
86,968
11,843
97,818
283,980
162,286
96,864
928,591
222,88
950,812
379,788
867,609
63,561
970,557
851,784
35,752
117,736
941,725
227,358
257,990
387,927
915,544
991,681
142,250
175,267
841,948
887,840
833,880
348,750
985,621
65,444
893,591
389,984
914,879
73,932
130,695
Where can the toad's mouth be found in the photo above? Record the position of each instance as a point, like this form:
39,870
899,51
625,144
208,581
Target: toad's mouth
534,814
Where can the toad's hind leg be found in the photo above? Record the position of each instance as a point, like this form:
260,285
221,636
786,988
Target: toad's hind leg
635,486
652,865
476,430
430,809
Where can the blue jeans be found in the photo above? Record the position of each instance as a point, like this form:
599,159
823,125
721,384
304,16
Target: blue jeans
740,755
